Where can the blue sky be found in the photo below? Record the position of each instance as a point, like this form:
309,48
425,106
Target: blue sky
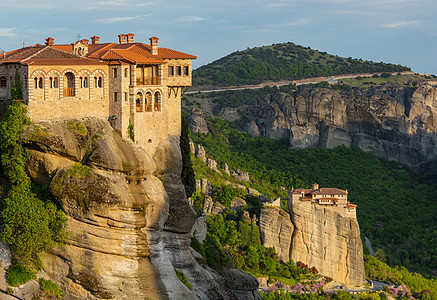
396,31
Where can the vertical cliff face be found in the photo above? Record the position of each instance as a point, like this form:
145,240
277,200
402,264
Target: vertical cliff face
398,123
128,217
276,230
329,241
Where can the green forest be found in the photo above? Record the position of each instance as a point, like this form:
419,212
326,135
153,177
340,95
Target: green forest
396,208
285,61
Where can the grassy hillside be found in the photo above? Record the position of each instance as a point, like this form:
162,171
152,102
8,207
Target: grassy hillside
396,208
282,62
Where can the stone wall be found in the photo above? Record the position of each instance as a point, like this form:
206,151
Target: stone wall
51,103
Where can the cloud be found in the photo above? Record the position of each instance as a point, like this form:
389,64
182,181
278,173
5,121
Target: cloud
124,3
7,32
401,24
119,19
191,19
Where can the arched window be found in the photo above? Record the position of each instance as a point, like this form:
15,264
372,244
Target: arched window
38,82
85,82
3,82
149,101
139,102
53,82
69,84
157,106
98,82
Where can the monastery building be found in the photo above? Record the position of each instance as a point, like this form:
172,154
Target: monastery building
330,198
137,87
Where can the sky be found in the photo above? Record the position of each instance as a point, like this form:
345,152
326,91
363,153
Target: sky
394,31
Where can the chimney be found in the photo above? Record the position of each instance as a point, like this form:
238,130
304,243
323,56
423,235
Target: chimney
154,45
315,186
130,38
122,38
95,39
50,41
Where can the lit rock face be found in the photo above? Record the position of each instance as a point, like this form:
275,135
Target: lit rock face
276,230
128,216
325,239
398,123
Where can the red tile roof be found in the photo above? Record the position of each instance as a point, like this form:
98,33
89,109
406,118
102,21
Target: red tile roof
63,54
328,191
46,55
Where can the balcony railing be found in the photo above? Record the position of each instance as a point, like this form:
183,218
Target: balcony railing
148,81
69,92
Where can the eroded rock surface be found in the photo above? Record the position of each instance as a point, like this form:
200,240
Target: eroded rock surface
276,230
128,216
325,239
398,123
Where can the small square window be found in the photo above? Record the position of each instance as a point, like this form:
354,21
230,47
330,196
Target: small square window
126,72
115,96
170,71
186,71
178,71
114,72
125,96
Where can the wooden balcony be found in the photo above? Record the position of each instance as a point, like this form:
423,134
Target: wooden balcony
148,81
69,92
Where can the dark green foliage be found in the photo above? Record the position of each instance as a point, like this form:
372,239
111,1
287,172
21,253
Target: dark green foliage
215,257
30,225
16,90
130,131
181,276
243,245
282,62
187,175
399,275
49,287
197,246
396,208
18,275
198,199
341,295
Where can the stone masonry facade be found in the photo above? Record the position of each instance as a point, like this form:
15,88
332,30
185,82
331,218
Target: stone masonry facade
135,86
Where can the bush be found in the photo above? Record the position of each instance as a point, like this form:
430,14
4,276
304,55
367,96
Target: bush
183,279
18,275
30,225
49,287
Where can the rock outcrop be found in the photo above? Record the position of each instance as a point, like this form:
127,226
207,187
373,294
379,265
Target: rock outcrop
128,216
325,239
398,123
276,230
197,122
318,237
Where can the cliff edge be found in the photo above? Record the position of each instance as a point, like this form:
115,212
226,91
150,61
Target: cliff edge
325,239
128,217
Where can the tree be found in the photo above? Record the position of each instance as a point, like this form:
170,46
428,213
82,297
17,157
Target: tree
187,175
16,90
30,225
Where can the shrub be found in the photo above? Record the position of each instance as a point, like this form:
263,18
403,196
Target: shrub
18,275
30,225
49,287
183,279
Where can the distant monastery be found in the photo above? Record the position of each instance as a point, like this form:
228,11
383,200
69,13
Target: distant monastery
330,198
136,86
